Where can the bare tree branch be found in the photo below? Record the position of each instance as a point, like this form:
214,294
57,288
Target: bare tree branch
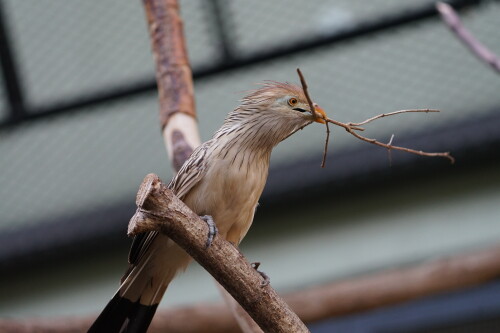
174,79
160,210
338,298
369,120
452,20
306,92
312,107
352,130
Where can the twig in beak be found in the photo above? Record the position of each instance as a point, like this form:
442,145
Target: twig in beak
314,114
325,150
304,87
352,128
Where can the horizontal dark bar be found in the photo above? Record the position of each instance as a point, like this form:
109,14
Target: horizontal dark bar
140,87
11,80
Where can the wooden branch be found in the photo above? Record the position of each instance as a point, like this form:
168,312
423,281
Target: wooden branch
351,128
334,299
452,20
160,210
303,82
174,79
395,286
315,114
243,320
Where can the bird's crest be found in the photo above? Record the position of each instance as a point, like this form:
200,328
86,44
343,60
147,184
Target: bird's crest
269,90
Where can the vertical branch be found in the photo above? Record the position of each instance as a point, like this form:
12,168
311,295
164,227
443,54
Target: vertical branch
174,79
176,98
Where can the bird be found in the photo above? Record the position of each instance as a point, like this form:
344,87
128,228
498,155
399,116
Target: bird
222,181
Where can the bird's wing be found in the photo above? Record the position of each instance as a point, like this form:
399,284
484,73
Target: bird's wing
188,176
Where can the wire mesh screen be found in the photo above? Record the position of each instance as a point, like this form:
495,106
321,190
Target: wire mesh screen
283,22
69,49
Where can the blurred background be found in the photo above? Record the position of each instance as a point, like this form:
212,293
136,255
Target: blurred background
79,130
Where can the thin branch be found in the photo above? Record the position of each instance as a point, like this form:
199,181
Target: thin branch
369,120
389,151
314,114
309,100
352,131
160,210
353,127
325,150
452,20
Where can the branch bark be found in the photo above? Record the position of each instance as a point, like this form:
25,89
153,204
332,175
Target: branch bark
174,79
160,210
334,299
452,20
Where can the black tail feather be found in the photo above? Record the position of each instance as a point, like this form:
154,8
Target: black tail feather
124,316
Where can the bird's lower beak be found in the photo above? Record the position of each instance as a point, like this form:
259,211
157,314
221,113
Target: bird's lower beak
320,114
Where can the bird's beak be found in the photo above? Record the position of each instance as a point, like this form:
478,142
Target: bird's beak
320,114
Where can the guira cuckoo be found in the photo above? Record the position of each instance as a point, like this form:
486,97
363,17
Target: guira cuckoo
223,178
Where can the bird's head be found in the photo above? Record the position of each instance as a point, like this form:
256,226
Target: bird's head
282,100
269,115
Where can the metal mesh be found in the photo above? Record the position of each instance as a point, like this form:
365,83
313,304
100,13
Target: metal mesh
285,22
68,49
79,162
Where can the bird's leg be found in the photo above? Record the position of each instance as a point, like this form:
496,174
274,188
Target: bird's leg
266,278
212,229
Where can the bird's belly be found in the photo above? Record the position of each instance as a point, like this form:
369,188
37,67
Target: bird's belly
230,197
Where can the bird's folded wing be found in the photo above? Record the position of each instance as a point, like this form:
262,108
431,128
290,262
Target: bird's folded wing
188,176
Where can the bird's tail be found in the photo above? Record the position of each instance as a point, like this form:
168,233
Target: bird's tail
133,306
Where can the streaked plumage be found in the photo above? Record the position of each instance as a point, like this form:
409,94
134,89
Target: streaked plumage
224,178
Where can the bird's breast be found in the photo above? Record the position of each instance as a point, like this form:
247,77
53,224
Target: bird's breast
229,192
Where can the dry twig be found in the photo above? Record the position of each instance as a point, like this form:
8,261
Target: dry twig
452,20
312,107
353,127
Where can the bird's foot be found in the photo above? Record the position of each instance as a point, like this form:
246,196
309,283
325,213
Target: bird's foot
266,278
212,229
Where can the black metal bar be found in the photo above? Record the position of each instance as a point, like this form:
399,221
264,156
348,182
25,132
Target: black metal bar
11,79
219,18
381,24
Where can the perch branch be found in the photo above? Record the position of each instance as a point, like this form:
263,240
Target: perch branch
334,299
452,20
160,210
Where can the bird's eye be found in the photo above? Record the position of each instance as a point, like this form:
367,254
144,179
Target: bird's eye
292,101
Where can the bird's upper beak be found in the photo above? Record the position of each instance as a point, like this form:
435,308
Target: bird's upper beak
320,114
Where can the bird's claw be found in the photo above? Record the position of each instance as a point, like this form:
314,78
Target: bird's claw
212,229
266,280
